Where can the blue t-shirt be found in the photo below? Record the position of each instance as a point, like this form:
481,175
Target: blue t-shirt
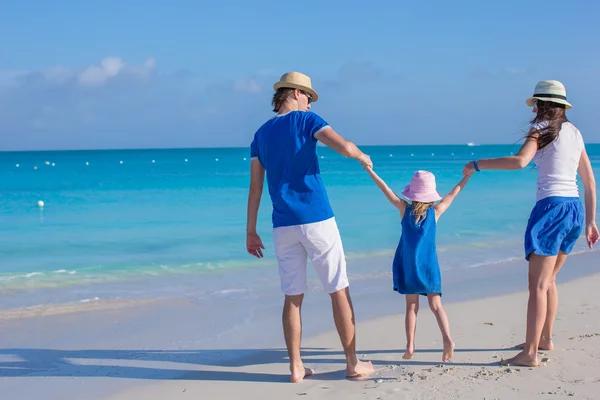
286,147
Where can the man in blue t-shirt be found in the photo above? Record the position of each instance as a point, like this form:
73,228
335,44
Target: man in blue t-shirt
303,222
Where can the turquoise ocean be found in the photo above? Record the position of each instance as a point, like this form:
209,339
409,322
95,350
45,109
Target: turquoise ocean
171,222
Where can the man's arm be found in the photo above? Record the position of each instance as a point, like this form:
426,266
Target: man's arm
389,193
254,244
332,139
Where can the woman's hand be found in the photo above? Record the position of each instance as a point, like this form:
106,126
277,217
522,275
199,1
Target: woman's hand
591,234
469,168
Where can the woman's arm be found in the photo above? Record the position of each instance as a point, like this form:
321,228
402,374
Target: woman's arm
518,161
589,182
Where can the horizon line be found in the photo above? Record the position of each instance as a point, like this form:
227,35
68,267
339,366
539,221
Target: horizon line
247,147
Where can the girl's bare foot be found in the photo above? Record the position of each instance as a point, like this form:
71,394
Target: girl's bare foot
448,351
360,370
299,373
523,360
410,351
545,344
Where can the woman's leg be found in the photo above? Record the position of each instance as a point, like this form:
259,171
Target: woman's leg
546,338
541,269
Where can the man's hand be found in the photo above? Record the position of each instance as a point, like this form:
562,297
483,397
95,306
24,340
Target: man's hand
254,245
365,161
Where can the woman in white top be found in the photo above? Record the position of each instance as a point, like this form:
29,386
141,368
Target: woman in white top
557,220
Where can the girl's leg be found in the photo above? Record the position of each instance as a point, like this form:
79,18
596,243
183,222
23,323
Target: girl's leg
410,324
435,303
541,270
546,338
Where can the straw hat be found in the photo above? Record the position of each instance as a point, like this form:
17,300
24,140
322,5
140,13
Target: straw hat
422,188
553,91
296,80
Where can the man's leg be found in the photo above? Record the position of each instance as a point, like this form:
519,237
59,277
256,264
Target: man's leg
343,315
292,330
292,260
324,246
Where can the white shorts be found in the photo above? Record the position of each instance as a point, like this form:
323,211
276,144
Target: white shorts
321,242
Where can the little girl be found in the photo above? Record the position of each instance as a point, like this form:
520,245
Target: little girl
416,270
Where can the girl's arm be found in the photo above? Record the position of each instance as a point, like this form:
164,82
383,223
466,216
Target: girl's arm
391,196
518,161
443,205
589,182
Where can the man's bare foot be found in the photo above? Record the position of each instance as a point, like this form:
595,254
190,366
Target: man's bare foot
523,360
545,344
361,369
299,373
410,351
448,352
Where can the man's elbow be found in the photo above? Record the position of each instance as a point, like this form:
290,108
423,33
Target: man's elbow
348,149
256,191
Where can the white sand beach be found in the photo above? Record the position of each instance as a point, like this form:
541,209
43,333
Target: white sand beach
43,357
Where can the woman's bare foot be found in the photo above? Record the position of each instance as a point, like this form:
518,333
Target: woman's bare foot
299,373
410,351
523,360
448,351
361,369
545,344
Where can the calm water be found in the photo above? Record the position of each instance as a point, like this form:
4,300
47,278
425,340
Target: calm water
116,220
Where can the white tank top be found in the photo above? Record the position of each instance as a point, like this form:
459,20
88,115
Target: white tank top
557,164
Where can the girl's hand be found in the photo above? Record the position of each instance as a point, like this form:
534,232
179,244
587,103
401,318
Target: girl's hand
469,169
591,234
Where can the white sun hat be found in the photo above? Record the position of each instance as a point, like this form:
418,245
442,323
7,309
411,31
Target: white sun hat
553,91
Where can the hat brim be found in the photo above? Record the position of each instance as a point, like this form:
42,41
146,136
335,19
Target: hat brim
423,198
311,91
529,101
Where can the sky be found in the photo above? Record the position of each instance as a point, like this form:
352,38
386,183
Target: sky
181,73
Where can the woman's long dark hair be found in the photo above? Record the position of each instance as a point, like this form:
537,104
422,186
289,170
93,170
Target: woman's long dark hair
553,116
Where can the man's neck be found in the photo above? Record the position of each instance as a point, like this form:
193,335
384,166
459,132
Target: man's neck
287,107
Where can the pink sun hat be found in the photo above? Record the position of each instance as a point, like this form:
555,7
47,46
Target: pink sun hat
422,188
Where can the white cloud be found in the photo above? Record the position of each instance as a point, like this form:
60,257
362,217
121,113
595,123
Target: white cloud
111,67
248,85
98,75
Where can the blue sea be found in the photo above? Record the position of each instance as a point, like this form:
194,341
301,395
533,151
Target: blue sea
162,223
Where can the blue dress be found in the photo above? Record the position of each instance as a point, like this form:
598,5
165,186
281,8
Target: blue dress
416,269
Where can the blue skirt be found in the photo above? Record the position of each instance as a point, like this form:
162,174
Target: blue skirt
555,225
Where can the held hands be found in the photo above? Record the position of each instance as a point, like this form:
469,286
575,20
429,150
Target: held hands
469,169
365,161
254,245
591,234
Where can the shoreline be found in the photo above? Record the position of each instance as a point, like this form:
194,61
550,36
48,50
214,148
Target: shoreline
483,339
189,344
363,280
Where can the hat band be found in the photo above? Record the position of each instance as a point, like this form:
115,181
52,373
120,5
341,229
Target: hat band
551,96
